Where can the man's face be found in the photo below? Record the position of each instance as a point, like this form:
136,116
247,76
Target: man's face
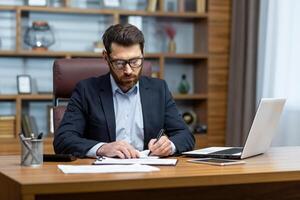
126,77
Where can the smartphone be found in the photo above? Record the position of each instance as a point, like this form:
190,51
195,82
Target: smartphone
217,161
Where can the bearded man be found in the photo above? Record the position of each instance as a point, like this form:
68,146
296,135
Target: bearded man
121,113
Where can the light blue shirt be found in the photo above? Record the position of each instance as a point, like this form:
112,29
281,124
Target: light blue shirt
128,116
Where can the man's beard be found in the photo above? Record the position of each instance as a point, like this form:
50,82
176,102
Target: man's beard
126,82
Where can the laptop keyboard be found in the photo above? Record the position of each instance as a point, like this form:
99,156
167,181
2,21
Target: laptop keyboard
229,151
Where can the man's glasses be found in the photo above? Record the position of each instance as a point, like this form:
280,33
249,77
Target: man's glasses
120,64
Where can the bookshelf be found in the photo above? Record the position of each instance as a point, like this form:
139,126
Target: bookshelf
202,53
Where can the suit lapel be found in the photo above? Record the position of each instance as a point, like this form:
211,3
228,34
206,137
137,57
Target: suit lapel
146,104
108,105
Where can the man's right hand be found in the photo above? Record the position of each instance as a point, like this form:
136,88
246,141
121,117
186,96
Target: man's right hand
119,149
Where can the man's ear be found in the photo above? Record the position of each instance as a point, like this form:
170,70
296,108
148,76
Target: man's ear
104,54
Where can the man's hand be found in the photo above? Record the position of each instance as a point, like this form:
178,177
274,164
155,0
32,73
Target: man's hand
162,147
120,149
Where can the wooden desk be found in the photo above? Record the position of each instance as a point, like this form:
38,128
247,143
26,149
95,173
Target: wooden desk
274,175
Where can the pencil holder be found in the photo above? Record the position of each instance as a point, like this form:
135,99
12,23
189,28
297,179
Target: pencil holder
31,152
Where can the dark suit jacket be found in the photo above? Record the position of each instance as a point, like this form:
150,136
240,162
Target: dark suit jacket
90,119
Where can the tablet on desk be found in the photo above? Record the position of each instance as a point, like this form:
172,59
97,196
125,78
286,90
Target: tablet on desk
217,161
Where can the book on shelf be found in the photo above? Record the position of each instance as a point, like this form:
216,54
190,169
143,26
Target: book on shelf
25,126
181,6
33,124
201,5
29,125
7,117
152,5
7,126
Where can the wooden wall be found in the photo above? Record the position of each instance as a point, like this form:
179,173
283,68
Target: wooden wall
218,67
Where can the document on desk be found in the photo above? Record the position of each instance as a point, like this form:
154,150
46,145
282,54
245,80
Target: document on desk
77,169
142,161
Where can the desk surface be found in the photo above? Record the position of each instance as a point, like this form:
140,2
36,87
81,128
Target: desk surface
277,165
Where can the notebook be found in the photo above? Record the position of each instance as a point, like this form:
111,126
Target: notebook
259,138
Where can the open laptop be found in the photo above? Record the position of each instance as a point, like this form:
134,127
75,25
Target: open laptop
259,138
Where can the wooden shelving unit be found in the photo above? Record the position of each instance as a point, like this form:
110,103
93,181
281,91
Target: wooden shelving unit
209,59
19,100
193,15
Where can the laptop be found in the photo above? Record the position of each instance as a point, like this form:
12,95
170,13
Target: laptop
259,138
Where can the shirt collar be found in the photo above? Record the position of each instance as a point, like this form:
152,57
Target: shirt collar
115,88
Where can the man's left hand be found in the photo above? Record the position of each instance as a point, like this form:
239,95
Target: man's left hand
162,147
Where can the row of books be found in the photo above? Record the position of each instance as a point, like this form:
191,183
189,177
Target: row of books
7,126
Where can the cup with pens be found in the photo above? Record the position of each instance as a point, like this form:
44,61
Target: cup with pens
31,150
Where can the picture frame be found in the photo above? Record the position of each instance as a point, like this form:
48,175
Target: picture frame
50,119
24,84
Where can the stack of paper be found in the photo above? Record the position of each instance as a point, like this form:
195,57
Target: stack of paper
75,169
142,161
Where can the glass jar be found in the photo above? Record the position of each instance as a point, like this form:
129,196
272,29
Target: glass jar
39,36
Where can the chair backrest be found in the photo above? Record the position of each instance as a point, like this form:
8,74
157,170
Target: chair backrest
68,72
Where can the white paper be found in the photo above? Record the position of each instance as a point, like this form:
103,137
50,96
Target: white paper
142,161
206,150
76,169
145,154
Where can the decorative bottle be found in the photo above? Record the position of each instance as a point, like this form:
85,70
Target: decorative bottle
184,86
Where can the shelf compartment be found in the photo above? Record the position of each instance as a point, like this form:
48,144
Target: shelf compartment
67,33
195,72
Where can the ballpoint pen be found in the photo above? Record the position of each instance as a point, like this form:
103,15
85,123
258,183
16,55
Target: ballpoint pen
40,136
100,158
161,132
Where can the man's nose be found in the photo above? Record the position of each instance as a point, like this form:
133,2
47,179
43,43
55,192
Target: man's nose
127,69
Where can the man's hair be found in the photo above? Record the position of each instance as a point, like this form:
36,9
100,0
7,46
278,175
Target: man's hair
125,35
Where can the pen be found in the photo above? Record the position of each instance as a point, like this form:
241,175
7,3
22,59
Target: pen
100,158
40,136
161,132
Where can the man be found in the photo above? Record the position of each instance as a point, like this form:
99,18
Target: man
121,113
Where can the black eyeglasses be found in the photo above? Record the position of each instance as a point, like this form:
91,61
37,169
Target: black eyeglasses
120,64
